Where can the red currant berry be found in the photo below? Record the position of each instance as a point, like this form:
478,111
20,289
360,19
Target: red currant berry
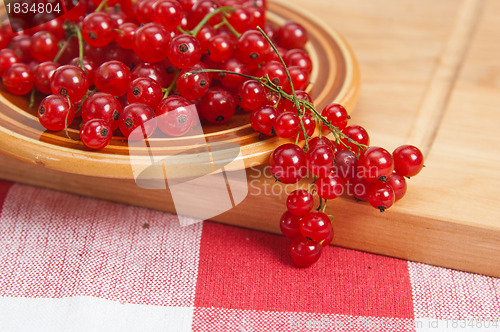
358,187
167,13
305,252
257,14
381,196
251,95
252,48
240,19
336,115
232,81
96,134
184,51
300,58
263,120
155,72
408,160
88,66
42,75
289,226
125,35
201,8
345,164
145,90
299,202
357,134
320,160
7,58
309,126
329,186
398,184
328,240
287,125
113,77
193,86
276,73
217,106
316,226
375,164
176,115
292,35
151,42
71,81
21,44
144,11
97,29
18,79
137,121
317,141
299,76
55,112
288,163
44,46
220,48
102,106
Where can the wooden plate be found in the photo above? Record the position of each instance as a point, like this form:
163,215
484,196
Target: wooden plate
335,78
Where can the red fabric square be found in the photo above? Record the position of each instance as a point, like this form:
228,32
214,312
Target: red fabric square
251,270
4,190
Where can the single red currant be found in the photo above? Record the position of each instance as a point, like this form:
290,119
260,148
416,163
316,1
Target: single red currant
42,75
329,186
145,90
7,58
96,134
289,226
151,42
176,115
18,79
252,48
398,184
315,225
320,160
305,252
299,202
408,160
113,77
251,95
102,106
137,121
263,120
357,134
381,196
193,86
287,125
55,112
288,163
167,13
71,81
345,164
337,115
217,106
97,29
292,35
44,46
375,164
184,51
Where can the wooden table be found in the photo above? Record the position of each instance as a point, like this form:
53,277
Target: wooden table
430,77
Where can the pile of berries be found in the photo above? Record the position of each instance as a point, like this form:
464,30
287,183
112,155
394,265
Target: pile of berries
115,66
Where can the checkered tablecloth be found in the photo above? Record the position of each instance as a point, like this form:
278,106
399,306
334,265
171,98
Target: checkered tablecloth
69,263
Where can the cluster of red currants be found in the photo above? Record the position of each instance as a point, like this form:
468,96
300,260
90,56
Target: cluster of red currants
346,166
120,65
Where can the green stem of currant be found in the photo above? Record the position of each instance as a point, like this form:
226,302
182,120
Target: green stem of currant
272,87
32,98
324,206
166,91
63,48
295,100
101,5
229,25
207,17
78,33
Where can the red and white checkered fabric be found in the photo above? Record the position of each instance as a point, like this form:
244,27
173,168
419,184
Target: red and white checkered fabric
69,263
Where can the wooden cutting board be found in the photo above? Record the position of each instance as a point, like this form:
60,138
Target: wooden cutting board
430,77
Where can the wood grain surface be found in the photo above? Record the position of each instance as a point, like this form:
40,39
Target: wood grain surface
431,77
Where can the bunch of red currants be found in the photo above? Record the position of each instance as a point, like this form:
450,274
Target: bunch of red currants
115,66
129,68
